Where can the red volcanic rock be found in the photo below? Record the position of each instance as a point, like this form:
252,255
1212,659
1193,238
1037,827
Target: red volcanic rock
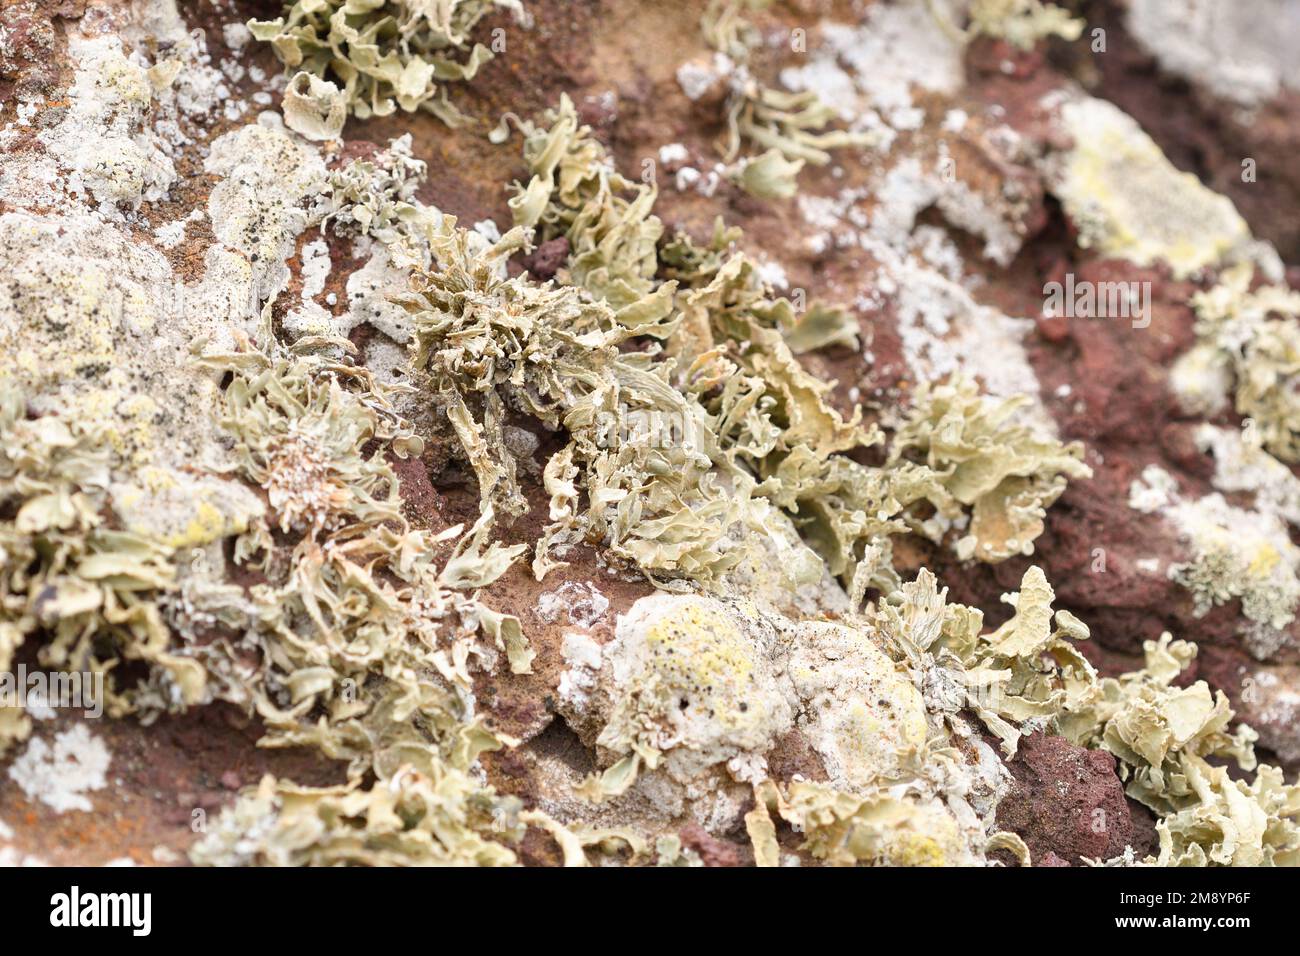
1067,801
547,258
711,850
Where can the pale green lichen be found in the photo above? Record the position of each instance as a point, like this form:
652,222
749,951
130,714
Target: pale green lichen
314,108
791,129
576,193
1248,343
1016,679
360,592
734,347
690,440
1164,737
436,816
375,197
880,828
1007,473
383,54
1129,202
1022,22
87,590
642,452
1236,554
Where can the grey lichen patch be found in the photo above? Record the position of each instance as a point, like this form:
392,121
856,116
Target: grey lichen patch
98,328
104,141
269,180
61,773
689,685
1248,345
384,55
695,689
1236,554
864,718
1238,51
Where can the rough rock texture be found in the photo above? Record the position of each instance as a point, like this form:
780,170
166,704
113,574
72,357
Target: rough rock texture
1066,802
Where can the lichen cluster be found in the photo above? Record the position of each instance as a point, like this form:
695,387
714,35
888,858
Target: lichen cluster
1248,347
1164,737
666,368
383,54
1022,23
791,129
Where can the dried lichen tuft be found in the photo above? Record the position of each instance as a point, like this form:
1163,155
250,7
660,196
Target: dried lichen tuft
383,54
791,128
1021,22
1164,737
640,452
1005,472
1248,343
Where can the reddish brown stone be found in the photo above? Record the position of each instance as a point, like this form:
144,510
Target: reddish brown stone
712,851
1066,800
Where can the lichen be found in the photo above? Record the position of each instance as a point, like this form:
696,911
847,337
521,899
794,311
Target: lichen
643,452
1021,22
88,591
1236,554
1248,343
1129,202
439,817
1016,679
790,128
383,54
1164,737
1006,472
208,492
881,829
358,593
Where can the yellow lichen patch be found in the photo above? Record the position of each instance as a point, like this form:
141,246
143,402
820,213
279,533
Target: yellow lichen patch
692,682
185,512
861,715
698,649
1128,201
